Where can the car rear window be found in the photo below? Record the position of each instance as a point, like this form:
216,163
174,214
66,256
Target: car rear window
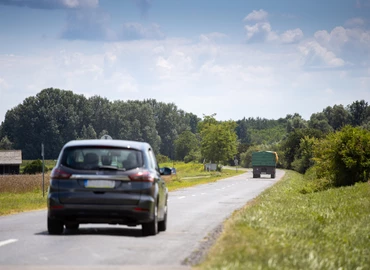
92,158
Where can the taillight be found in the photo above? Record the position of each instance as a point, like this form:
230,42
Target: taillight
142,176
139,209
59,174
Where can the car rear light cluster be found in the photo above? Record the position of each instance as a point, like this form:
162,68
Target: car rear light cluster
59,174
144,176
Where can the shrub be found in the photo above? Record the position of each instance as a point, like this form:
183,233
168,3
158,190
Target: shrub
344,156
162,158
34,167
193,156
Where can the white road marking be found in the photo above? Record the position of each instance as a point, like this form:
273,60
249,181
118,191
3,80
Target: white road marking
203,194
193,195
3,243
182,197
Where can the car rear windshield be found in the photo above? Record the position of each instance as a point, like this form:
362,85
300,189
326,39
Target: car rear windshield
92,158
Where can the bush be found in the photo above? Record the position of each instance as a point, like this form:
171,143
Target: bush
193,156
344,156
162,158
34,167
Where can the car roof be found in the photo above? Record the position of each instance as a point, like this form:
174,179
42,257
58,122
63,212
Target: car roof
111,143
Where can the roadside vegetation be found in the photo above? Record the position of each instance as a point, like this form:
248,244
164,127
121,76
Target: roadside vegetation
294,226
191,174
316,219
23,192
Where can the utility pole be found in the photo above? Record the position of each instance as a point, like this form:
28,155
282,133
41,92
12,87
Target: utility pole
43,170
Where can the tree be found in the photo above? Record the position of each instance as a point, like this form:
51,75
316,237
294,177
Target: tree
218,139
303,159
6,144
291,145
358,111
337,116
296,122
185,143
344,156
320,122
89,132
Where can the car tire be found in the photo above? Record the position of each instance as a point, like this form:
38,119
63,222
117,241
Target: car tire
272,175
151,228
162,225
72,226
55,226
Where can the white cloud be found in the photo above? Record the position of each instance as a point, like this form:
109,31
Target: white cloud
256,15
260,32
317,56
351,44
199,77
292,36
163,63
341,36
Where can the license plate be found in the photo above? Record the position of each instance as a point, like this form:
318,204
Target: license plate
99,184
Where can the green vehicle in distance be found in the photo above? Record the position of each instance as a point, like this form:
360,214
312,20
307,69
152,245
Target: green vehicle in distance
264,162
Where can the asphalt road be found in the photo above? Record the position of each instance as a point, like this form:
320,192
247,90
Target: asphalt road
194,214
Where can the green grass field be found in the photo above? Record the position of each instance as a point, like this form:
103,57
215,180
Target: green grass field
284,228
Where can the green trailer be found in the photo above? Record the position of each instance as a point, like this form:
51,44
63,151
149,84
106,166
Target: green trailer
264,162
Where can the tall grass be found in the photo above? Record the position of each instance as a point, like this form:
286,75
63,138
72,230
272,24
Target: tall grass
287,229
23,183
20,193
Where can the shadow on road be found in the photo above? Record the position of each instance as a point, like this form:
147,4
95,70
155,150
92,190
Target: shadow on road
130,232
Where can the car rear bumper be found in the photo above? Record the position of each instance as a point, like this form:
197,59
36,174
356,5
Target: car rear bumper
96,213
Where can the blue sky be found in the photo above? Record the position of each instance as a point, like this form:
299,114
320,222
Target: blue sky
255,58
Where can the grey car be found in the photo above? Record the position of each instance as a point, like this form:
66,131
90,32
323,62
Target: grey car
107,181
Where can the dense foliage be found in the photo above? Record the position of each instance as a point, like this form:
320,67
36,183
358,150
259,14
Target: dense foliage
55,116
344,156
218,140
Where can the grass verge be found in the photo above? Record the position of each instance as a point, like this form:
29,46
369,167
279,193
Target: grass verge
284,228
191,174
19,202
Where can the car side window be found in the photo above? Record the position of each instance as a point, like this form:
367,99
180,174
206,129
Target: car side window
152,160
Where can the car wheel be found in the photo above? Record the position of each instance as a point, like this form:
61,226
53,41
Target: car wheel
272,175
72,226
162,225
151,228
55,226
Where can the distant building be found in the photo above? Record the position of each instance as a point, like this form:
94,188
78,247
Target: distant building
10,161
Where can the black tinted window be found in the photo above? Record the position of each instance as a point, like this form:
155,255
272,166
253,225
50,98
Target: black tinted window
99,157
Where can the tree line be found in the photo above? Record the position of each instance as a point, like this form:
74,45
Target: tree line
56,116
